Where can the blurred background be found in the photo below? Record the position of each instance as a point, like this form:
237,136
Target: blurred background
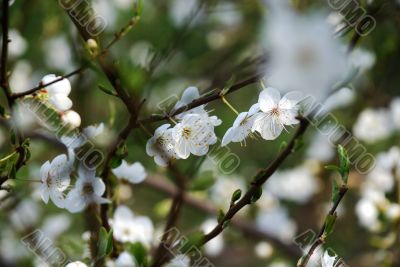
182,43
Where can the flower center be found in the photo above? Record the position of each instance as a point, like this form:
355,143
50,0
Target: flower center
49,181
186,132
275,111
87,189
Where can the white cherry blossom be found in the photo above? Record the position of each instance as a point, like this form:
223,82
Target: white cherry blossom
88,190
241,127
55,178
134,173
193,135
60,102
276,112
130,228
161,146
190,94
62,87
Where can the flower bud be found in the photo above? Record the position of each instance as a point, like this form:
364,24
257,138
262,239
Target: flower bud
71,118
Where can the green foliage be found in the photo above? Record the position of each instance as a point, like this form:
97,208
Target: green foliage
105,243
192,242
236,196
139,252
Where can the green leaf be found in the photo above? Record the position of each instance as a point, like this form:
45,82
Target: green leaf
193,241
335,190
333,168
329,224
105,243
282,146
344,163
139,7
203,182
106,90
298,144
257,195
221,216
236,195
138,250
228,86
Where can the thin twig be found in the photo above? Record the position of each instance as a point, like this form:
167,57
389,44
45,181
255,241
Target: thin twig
320,240
177,203
160,184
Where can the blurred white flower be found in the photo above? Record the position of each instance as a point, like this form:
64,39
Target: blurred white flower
276,112
130,228
298,184
362,59
88,190
161,146
224,188
264,250
55,225
341,98
21,76
296,63
141,54
367,214
193,135
18,44
134,173
216,245
179,261
58,54
373,125
395,112
78,140
125,259
56,178
241,127
71,118
25,215
393,212
277,223
182,10
321,148
76,264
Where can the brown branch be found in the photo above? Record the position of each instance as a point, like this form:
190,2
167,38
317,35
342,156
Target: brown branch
160,184
202,100
6,88
321,237
41,85
258,181
161,253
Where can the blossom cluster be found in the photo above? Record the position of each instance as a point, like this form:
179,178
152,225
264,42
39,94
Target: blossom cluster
192,134
56,95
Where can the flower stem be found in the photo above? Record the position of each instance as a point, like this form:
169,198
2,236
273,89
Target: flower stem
229,105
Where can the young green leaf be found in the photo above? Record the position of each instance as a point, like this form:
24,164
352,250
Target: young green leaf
105,243
236,195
